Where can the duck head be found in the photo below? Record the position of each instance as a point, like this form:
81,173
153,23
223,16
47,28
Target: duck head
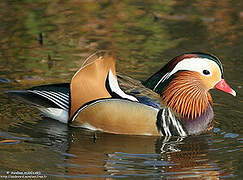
185,81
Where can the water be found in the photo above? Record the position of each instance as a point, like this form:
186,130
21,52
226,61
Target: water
46,42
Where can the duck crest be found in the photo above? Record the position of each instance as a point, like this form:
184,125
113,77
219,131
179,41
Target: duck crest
156,81
185,95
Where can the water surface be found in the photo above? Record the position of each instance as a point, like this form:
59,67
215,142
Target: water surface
45,42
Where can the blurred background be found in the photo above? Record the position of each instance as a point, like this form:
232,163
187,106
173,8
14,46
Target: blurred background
44,42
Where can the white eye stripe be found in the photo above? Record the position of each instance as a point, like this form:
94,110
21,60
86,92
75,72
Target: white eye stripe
191,64
194,64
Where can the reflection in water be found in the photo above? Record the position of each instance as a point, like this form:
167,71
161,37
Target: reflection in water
114,156
45,42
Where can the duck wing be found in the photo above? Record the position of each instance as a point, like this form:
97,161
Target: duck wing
53,95
137,89
52,100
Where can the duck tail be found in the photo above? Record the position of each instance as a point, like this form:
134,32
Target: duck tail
52,100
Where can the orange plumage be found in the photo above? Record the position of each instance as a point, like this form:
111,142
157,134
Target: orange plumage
186,96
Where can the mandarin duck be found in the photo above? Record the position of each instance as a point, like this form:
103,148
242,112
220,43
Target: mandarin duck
175,101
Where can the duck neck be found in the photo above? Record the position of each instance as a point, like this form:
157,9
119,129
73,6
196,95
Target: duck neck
200,124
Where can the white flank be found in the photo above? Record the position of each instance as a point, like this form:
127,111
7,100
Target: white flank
56,113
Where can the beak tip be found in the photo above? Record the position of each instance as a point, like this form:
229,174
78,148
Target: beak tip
223,86
233,93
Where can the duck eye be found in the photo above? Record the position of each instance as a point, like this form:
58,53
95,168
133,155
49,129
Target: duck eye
206,72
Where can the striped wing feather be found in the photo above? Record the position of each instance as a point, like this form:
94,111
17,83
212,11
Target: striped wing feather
54,95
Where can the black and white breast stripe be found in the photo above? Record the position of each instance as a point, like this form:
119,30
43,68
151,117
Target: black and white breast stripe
168,124
59,98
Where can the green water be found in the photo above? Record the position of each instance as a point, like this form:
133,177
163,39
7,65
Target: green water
44,42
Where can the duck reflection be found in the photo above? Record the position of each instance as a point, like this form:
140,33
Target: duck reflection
128,156
84,153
